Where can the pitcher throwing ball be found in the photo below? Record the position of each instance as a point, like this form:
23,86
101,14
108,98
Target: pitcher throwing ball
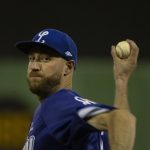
64,120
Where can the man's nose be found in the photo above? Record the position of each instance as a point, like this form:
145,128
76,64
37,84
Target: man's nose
35,66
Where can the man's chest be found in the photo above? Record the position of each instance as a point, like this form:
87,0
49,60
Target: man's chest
40,137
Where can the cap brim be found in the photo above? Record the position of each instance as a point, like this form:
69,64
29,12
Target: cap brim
26,46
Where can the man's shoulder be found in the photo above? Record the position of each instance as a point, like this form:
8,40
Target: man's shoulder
62,101
62,97
68,103
71,98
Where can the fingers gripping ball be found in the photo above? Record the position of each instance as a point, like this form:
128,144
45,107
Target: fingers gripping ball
123,49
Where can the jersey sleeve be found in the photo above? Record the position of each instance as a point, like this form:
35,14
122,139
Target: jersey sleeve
90,108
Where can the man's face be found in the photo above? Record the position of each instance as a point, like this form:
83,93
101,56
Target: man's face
45,71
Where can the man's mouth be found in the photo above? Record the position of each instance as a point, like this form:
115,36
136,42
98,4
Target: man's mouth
34,75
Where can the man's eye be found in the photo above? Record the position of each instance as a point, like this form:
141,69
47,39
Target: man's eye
45,59
31,58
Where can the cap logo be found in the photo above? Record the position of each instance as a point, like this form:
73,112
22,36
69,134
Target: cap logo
68,53
41,35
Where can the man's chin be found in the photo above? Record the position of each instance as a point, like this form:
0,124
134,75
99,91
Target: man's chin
35,90
34,86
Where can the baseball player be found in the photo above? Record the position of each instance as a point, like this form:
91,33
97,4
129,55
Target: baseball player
64,120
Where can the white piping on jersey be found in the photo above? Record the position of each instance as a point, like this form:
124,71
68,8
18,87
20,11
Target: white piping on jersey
101,142
29,145
91,111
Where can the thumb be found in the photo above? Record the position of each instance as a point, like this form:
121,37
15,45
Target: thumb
113,53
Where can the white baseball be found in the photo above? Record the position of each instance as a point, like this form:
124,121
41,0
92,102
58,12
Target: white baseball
123,49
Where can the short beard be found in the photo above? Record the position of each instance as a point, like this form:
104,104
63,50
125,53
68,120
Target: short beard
45,86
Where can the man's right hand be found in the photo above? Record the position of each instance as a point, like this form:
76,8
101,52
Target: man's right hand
123,68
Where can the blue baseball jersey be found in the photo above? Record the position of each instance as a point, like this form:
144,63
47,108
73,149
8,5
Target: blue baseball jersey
59,123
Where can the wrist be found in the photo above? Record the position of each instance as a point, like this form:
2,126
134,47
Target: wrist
122,79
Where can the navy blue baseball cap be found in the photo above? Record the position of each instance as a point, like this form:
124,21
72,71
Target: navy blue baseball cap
54,39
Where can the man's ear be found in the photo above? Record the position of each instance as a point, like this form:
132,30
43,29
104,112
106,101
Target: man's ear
69,67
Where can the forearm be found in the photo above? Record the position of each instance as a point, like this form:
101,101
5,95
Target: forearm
122,127
121,94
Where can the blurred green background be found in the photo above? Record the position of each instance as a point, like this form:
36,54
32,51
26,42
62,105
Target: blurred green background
93,79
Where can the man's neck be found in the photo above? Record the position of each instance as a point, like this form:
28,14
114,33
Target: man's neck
43,95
